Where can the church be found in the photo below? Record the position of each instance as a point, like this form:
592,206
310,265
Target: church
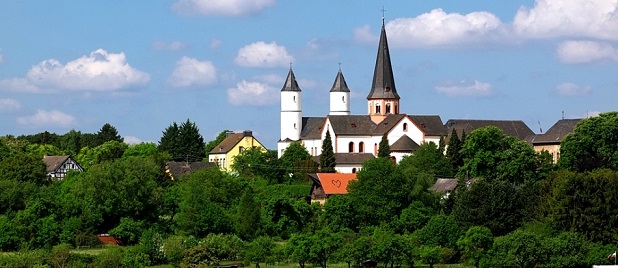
356,138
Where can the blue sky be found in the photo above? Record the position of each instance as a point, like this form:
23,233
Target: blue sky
142,65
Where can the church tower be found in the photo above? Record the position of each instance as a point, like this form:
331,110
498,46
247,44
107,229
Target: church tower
291,113
383,98
339,96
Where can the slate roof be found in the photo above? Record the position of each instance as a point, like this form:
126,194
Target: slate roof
348,158
557,132
444,185
430,124
515,128
290,82
340,85
362,125
404,144
312,128
181,168
334,183
383,85
53,162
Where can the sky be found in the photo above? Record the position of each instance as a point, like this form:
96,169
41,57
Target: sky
142,65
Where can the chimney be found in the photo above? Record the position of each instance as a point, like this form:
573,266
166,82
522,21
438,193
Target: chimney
228,133
247,133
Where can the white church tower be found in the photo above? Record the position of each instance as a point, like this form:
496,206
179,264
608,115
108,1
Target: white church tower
339,96
291,113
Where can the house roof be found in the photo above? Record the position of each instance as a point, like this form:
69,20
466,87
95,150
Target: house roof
431,125
515,128
181,168
340,85
383,85
53,162
404,144
557,132
444,185
230,141
335,183
312,128
290,82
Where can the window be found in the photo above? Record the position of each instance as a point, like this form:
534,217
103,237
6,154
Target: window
378,110
343,99
240,149
353,170
375,149
294,98
294,125
388,108
405,127
351,147
361,147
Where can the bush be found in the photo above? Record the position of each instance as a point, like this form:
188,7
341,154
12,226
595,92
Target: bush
174,248
225,246
24,259
136,257
86,240
60,256
152,245
111,258
198,256
128,231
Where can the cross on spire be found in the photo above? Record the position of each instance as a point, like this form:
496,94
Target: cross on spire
383,10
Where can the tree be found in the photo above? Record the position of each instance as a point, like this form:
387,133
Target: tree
324,245
517,249
453,152
441,230
430,254
296,161
475,243
255,162
327,158
108,133
259,250
184,142
592,145
427,159
384,148
495,205
247,223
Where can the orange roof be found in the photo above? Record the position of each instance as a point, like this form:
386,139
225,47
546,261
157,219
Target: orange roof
335,183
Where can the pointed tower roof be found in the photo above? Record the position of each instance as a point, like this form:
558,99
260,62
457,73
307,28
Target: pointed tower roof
340,85
290,83
383,86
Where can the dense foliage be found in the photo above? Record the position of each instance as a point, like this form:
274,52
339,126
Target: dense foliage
511,207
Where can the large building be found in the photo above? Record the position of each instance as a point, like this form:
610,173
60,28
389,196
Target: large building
356,138
357,134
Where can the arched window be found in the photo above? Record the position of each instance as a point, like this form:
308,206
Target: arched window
351,147
405,127
375,149
388,108
361,147
378,110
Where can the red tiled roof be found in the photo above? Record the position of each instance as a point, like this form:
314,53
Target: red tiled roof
335,183
108,240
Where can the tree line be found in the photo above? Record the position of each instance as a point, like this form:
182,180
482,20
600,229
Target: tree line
512,207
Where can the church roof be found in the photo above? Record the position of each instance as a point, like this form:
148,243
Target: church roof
515,128
404,144
290,83
340,85
383,85
312,128
430,124
557,132
352,158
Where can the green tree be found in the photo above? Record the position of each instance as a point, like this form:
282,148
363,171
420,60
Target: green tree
247,223
517,249
327,158
430,254
324,245
453,152
495,205
260,250
108,133
255,162
384,149
184,142
298,248
71,142
427,159
297,163
592,145
441,230
475,243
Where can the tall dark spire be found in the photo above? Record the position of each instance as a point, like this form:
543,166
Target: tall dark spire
383,86
340,85
290,82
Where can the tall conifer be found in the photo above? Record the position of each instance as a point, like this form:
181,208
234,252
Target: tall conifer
327,158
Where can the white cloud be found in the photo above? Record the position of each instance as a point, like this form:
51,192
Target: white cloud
47,118
260,54
215,43
171,46
101,71
571,89
582,18
586,51
253,94
192,72
132,140
221,7
9,105
465,88
438,28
